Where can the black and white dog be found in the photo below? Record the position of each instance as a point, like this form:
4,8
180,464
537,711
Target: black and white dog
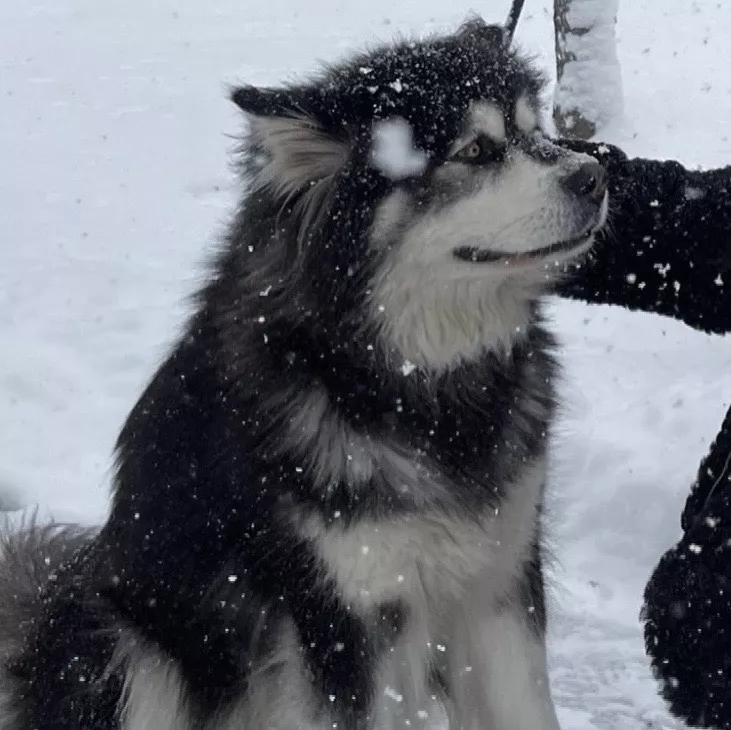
327,503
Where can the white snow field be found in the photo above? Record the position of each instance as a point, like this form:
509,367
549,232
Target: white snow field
114,183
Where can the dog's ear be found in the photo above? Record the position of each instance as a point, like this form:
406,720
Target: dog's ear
300,155
475,29
257,102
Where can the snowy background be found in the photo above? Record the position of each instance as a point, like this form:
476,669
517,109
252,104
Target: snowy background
114,182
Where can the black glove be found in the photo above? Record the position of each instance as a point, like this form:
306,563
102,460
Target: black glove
610,156
667,245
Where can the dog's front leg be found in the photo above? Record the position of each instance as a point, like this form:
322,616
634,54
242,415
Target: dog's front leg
498,678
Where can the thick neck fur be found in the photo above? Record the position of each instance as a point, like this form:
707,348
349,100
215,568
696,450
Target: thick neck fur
439,326
354,420
366,385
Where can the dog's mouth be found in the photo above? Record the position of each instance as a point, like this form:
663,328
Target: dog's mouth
474,255
570,247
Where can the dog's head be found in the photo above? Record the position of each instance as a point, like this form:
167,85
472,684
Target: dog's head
414,189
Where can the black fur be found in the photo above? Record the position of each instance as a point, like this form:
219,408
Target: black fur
33,557
196,555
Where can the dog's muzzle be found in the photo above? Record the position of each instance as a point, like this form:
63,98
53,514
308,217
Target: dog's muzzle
589,184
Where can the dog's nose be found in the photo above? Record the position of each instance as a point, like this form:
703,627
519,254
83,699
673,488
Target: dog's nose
589,180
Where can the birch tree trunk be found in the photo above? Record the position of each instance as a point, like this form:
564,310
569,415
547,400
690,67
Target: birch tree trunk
589,78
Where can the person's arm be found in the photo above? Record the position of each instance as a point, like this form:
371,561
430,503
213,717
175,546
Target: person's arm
667,244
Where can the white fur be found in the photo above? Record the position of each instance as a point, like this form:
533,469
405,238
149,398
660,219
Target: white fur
439,323
437,311
499,672
489,119
526,116
390,218
457,577
430,553
332,452
153,696
329,449
483,118
298,155
523,208
279,695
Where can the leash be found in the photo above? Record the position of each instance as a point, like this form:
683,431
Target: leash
512,22
721,477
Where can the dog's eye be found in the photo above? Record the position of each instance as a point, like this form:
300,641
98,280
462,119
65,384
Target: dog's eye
480,151
470,152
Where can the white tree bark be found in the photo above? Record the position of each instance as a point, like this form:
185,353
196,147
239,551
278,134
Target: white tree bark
589,78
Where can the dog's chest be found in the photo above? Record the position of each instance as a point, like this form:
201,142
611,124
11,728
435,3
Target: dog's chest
421,556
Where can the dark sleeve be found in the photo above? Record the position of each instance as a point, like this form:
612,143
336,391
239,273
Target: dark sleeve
667,245
714,475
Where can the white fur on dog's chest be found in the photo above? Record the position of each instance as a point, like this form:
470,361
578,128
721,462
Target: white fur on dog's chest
430,552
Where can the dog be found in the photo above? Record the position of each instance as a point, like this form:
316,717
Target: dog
327,503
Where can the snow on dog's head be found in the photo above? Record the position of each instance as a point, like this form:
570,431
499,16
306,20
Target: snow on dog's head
411,188
393,150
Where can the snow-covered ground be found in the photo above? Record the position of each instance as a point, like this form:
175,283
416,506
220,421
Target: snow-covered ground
114,183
